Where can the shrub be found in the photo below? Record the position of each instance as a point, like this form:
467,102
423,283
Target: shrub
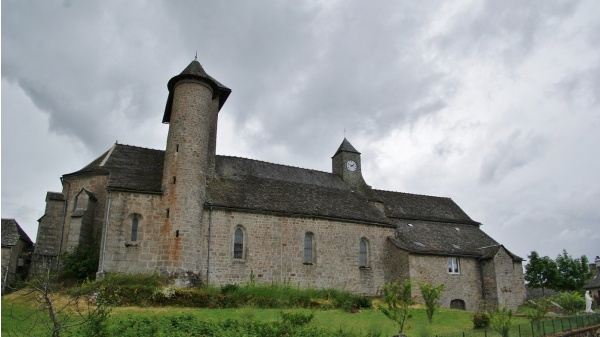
501,321
81,263
481,320
229,288
296,319
538,309
431,295
570,302
398,299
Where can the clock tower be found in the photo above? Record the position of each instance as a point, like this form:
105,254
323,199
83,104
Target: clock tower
346,165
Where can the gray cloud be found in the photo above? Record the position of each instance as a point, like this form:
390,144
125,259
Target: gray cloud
423,89
509,29
509,154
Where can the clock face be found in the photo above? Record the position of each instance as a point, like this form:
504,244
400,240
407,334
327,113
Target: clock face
351,165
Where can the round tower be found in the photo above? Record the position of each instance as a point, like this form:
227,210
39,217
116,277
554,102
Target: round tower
192,110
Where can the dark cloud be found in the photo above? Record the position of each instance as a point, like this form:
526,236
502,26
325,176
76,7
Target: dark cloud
423,89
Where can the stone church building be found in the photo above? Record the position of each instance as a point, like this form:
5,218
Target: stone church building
195,215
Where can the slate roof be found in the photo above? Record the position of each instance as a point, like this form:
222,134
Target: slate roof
12,232
55,196
414,206
346,146
439,226
195,71
255,185
130,167
442,238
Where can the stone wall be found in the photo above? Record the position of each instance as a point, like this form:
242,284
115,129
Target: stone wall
96,184
396,263
189,157
11,271
81,221
508,275
123,255
465,286
274,252
490,285
48,235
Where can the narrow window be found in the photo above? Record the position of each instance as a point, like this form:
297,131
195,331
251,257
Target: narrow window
134,228
168,212
174,179
309,256
177,233
238,244
453,266
363,249
177,148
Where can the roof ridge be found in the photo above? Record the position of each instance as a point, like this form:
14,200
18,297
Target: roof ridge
138,147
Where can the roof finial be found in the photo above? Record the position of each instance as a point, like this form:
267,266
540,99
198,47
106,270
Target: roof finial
196,57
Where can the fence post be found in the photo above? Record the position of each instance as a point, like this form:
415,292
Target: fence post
519,330
485,332
543,328
532,331
553,328
562,327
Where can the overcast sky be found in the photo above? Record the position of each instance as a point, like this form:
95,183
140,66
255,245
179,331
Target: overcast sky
495,104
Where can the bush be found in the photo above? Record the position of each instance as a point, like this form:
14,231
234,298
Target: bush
291,324
501,321
431,295
81,263
152,290
570,302
481,320
229,288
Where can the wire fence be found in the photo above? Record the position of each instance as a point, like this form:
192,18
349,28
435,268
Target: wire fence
545,327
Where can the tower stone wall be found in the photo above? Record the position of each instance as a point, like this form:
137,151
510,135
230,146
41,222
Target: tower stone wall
188,159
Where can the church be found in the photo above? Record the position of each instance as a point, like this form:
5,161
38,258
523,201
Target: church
188,213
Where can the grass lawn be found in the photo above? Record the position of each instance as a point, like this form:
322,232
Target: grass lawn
15,310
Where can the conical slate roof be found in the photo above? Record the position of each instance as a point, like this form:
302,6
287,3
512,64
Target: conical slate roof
346,147
195,71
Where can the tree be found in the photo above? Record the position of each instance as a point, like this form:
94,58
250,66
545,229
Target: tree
572,273
58,315
541,272
397,299
538,309
501,321
431,295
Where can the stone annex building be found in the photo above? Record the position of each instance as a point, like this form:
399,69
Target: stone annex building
195,215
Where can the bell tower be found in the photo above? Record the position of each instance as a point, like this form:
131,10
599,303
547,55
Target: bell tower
346,165
193,104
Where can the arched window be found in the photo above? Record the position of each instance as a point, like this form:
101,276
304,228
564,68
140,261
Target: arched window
309,248
457,304
238,244
363,251
134,228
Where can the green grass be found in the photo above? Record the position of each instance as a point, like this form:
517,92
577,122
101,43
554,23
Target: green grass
14,310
